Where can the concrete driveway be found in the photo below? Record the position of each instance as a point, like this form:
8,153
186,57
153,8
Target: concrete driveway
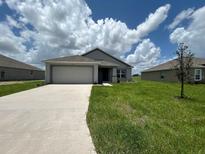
49,119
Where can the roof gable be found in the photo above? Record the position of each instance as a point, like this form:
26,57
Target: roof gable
91,54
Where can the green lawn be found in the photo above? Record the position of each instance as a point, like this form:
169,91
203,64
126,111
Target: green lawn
147,117
13,88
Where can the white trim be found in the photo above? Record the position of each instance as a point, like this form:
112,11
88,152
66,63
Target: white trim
200,75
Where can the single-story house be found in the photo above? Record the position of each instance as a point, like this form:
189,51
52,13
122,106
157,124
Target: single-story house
11,69
95,66
167,71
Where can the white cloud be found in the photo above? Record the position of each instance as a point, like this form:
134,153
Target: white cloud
185,14
146,55
66,27
194,34
12,23
153,20
10,43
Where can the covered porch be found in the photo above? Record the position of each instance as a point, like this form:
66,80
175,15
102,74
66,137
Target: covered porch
107,72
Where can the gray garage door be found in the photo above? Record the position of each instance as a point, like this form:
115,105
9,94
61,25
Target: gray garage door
72,74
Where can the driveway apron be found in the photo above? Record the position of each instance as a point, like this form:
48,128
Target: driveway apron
46,120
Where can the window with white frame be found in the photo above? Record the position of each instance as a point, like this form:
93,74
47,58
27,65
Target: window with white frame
121,73
198,75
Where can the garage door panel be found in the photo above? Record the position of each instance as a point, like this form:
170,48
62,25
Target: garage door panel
72,74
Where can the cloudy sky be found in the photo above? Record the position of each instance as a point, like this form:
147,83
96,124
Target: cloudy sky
142,33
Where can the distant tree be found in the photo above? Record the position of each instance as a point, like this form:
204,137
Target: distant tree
184,64
136,74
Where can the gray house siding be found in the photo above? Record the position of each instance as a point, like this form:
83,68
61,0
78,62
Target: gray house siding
98,55
165,75
8,74
168,75
129,73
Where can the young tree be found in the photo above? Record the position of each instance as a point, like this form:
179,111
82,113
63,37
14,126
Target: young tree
184,64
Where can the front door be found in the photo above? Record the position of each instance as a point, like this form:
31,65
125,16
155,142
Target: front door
103,75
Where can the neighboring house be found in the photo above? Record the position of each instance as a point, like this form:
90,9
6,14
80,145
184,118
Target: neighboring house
95,66
11,69
167,71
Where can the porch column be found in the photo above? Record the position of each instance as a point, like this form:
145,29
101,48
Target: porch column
114,75
95,73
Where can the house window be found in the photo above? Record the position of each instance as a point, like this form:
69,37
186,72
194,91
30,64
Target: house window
31,72
2,74
121,73
162,76
198,75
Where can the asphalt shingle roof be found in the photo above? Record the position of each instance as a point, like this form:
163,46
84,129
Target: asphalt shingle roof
78,58
12,63
82,58
197,62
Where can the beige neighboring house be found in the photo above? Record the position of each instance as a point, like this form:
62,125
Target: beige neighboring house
95,66
13,70
167,71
